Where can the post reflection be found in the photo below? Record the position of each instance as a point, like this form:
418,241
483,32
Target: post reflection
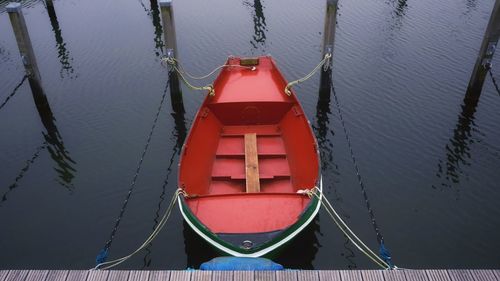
154,12
259,24
63,53
64,163
457,150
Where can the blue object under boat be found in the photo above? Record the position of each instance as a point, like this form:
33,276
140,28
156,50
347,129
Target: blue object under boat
240,263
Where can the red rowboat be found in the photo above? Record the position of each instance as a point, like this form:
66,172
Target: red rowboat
249,153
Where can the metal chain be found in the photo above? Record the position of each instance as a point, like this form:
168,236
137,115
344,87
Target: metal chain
137,171
380,238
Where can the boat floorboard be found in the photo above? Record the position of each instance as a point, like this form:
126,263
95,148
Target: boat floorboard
287,275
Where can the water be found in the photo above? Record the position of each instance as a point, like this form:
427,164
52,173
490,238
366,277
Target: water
429,162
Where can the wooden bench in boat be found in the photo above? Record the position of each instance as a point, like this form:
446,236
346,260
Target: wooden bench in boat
251,163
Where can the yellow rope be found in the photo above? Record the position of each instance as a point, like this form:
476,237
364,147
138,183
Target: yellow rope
175,63
324,62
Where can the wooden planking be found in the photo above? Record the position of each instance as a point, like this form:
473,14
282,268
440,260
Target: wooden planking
222,275
180,275
288,275
3,274
58,275
265,275
97,275
394,275
118,275
251,163
330,275
16,275
243,276
350,275
200,275
159,276
438,275
308,275
372,275
37,275
415,275
460,275
77,275
483,275
142,275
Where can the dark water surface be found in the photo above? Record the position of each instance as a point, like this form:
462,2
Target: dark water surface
431,163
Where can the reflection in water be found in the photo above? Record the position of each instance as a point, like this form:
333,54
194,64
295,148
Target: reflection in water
13,92
458,150
53,138
155,15
23,171
63,54
400,8
259,24
349,254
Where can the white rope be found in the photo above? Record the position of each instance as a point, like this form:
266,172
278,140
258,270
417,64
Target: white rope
324,62
355,240
161,224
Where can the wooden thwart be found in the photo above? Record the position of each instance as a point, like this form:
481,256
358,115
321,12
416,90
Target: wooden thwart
251,163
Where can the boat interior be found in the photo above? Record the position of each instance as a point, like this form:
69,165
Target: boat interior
248,153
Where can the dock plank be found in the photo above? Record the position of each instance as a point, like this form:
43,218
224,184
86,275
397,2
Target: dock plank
77,275
37,275
287,275
483,275
415,275
350,275
97,275
438,275
17,275
141,275
3,274
496,272
180,275
394,275
460,275
200,275
159,276
118,275
265,275
57,275
222,275
308,275
329,275
372,275
243,276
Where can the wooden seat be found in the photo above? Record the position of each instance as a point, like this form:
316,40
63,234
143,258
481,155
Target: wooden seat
251,163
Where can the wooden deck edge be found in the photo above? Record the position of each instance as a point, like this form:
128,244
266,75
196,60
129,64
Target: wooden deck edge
286,275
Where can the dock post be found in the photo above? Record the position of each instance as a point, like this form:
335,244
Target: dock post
328,41
486,52
26,50
167,17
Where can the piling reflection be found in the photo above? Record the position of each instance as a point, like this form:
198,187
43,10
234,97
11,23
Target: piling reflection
154,12
63,53
259,24
458,148
58,153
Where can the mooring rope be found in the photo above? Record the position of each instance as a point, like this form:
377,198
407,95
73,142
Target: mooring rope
325,62
103,254
151,237
494,81
355,240
13,92
176,65
380,238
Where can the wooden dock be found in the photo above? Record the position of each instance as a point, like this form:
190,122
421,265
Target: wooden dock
287,275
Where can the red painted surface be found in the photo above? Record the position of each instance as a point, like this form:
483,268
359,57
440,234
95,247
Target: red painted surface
212,168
